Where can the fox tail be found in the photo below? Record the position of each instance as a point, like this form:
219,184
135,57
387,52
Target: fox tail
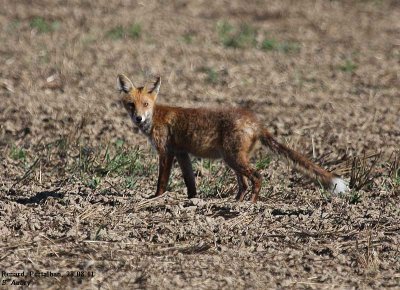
330,181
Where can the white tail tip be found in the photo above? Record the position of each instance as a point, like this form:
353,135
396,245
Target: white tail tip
338,186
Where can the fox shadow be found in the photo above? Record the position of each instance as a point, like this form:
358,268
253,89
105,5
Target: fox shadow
40,197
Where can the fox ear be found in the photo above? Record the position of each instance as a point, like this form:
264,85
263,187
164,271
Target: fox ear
124,84
156,87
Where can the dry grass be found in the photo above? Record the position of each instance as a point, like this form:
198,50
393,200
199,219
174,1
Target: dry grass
74,174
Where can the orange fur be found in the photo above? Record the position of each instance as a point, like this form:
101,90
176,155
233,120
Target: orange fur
229,134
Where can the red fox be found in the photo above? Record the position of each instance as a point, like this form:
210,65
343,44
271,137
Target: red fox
230,134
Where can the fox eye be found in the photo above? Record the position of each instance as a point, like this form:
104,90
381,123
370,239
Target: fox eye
145,104
130,106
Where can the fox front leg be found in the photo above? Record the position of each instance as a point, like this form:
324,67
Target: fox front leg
164,171
187,172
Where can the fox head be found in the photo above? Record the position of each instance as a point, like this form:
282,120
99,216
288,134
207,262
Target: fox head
139,102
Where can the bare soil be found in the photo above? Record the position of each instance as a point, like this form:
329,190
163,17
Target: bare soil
75,174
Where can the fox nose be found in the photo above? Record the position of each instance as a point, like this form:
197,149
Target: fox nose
138,119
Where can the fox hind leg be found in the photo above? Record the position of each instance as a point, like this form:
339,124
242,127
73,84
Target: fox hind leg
241,166
237,147
243,185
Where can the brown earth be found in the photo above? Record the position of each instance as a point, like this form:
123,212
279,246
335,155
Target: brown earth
74,174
